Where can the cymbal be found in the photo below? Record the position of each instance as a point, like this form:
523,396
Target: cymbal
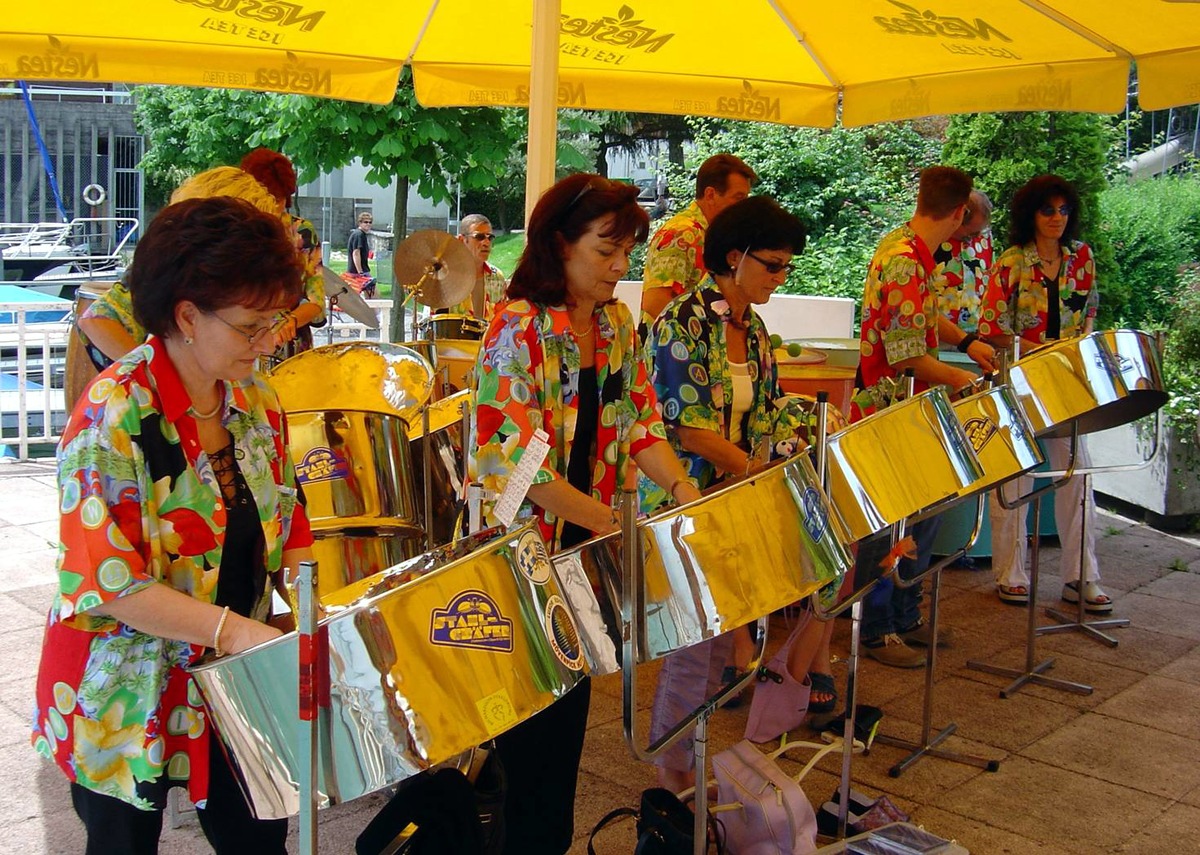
349,300
435,267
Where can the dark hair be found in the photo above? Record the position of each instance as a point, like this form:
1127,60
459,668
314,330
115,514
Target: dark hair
273,171
214,252
941,190
562,215
1033,194
751,224
715,173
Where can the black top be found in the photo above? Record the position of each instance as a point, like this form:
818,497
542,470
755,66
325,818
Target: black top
583,451
243,574
358,240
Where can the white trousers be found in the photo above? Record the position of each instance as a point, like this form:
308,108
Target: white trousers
1009,528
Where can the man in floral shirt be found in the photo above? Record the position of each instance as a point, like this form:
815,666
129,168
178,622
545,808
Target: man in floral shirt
900,331
963,262
675,255
475,230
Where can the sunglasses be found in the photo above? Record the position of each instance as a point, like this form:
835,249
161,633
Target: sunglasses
253,337
482,236
772,267
1050,210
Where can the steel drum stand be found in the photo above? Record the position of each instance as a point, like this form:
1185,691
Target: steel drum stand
929,742
306,626
633,636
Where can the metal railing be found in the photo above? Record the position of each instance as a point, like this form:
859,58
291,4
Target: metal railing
33,369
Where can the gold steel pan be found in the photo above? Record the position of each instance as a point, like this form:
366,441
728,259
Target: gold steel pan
715,564
999,435
361,375
446,447
897,462
355,467
458,357
345,557
1138,360
462,327
418,672
1076,381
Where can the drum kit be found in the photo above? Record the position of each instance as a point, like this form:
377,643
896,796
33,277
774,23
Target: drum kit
429,645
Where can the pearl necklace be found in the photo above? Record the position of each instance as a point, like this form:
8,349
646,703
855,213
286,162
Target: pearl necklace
211,413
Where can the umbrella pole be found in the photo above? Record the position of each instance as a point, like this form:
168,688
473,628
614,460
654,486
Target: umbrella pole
543,102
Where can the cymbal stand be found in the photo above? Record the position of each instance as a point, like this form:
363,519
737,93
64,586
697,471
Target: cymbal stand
308,682
1033,673
427,464
633,635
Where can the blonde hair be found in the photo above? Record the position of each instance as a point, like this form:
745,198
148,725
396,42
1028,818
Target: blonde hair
227,181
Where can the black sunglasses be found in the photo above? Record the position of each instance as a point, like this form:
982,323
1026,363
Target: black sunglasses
772,267
1050,210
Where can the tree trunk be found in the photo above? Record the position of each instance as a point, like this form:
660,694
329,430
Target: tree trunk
675,148
399,233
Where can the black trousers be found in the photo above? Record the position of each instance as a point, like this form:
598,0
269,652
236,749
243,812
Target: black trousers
541,764
114,826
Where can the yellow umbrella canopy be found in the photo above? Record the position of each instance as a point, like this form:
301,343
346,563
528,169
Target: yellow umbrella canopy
788,61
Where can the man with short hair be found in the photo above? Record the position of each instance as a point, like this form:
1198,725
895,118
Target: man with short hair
900,331
358,252
960,280
475,230
675,255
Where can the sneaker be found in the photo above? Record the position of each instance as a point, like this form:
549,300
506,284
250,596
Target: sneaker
919,634
891,650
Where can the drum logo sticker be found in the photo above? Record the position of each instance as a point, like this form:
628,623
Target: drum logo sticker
472,620
816,515
979,432
531,557
564,637
497,712
321,464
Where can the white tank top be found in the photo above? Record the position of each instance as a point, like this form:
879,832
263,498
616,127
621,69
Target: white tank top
743,397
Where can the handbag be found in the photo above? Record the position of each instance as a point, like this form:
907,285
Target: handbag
780,701
664,825
763,809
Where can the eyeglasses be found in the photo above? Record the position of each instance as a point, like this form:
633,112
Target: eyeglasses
772,267
253,337
482,236
1050,210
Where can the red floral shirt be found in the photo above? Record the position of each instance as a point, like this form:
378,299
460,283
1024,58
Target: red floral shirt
1017,289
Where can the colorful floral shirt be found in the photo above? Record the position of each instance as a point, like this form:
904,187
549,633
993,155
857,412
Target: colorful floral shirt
115,304
140,505
960,279
528,379
694,387
1017,271
494,287
899,318
675,255
309,245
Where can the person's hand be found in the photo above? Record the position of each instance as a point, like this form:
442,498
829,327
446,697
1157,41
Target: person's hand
984,355
285,330
961,378
242,633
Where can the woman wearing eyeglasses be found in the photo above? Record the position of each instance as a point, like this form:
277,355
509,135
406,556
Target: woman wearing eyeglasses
560,360
1043,288
717,383
179,514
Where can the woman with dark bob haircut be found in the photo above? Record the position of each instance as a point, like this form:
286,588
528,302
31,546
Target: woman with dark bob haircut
717,382
1043,288
560,362
179,513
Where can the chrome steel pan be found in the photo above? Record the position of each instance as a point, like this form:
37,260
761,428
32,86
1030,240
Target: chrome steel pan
345,557
367,376
899,461
424,662
446,446
999,435
718,563
1073,382
1138,360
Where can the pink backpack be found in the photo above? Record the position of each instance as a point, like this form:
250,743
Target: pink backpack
763,809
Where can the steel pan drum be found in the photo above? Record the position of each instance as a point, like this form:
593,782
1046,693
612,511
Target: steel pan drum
446,446
999,435
365,376
1076,381
347,556
435,661
1137,358
899,461
713,565
458,357
460,327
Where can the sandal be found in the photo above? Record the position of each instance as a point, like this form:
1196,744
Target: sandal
1095,600
822,684
1017,595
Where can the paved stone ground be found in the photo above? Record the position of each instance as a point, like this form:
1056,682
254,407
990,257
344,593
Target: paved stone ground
1114,771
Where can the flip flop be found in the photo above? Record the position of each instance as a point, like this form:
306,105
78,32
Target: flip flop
824,684
1017,595
1096,602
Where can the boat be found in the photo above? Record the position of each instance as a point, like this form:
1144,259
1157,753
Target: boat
56,258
